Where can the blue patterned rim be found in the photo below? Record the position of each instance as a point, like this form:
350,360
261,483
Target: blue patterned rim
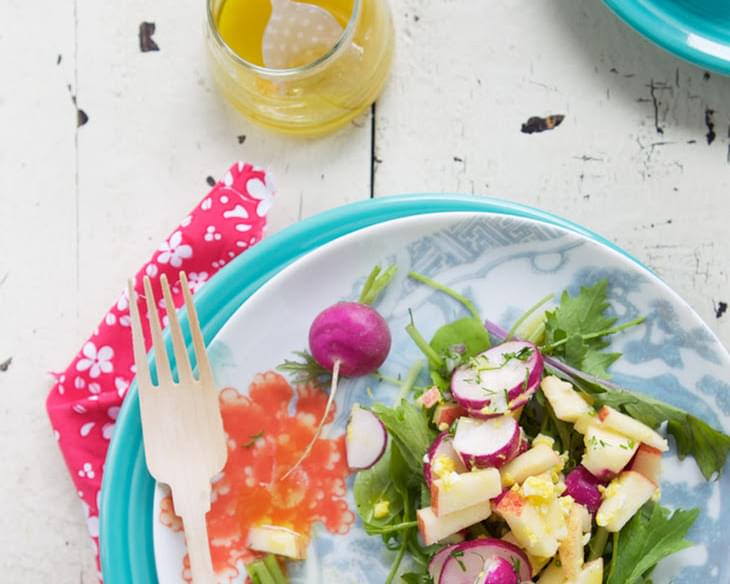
126,545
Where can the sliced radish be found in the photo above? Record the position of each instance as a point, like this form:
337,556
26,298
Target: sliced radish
494,381
478,561
436,565
484,443
583,487
441,458
498,571
514,406
366,439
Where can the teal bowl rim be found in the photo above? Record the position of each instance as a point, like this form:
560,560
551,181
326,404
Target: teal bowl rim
669,35
127,491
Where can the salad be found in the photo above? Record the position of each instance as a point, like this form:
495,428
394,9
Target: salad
507,457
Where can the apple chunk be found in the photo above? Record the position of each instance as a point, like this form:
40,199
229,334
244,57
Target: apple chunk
571,547
622,498
535,461
607,452
627,426
567,403
278,540
528,525
537,563
553,574
592,573
648,461
434,528
454,491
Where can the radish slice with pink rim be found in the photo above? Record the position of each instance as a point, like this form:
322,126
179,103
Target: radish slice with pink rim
442,446
485,443
492,380
366,439
478,561
436,565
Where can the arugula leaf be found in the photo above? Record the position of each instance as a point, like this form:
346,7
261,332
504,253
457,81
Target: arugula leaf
652,534
582,313
575,331
409,429
694,437
597,363
373,486
467,332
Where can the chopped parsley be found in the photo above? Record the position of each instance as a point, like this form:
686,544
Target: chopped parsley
457,555
522,355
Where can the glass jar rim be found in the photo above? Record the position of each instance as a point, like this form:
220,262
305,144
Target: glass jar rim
331,53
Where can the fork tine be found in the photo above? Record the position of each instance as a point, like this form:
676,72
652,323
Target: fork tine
161,361
201,356
140,355
184,371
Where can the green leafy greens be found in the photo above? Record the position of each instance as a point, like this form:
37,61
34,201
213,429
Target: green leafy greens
397,478
652,534
575,330
695,437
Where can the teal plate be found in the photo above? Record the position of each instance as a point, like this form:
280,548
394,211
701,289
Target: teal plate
696,30
126,541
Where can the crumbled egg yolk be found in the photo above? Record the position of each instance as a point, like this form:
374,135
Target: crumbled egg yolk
443,426
566,504
602,519
381,509
538,489
442,466
448,480
543,439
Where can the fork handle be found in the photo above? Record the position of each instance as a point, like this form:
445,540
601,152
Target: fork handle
196,536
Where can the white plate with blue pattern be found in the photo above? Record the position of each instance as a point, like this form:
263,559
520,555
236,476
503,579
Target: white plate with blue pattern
504,264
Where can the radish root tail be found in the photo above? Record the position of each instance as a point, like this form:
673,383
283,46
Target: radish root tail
318,431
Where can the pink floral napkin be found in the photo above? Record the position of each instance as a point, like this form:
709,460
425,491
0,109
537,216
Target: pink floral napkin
85,400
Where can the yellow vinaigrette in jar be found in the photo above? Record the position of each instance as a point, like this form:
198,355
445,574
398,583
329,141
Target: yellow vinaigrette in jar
318,91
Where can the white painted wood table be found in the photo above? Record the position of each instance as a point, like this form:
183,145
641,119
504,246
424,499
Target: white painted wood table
642,157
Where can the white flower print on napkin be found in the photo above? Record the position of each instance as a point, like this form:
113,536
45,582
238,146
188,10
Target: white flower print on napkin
264,192
196,280
96,361
174,251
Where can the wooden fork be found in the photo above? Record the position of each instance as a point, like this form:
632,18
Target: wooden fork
182,427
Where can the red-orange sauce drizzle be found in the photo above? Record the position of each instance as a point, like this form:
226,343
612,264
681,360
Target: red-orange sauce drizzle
264,441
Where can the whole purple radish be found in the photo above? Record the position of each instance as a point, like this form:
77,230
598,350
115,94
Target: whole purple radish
352,333
350,339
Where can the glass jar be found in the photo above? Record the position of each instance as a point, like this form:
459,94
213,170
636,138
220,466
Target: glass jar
316,97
